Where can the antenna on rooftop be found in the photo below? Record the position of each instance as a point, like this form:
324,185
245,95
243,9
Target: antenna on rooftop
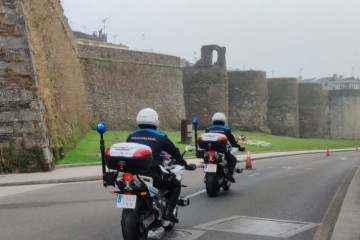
104,21
115,36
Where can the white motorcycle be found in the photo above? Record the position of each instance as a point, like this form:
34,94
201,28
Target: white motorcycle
143,204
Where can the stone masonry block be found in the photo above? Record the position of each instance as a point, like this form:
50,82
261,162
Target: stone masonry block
7,116
14,95
24,127
14,42
14,18
22,68
37,139
28,115
6,129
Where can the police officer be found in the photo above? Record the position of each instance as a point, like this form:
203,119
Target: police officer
147,134
218,120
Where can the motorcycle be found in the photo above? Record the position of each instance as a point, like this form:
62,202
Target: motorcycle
142,203
216,167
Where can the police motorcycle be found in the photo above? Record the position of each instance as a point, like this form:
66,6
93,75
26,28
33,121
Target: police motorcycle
216,168
143,204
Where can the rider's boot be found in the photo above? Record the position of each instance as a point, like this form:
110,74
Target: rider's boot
231,178
169,213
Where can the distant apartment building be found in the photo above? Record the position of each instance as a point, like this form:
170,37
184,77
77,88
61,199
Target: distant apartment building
185,63
96,40
335,82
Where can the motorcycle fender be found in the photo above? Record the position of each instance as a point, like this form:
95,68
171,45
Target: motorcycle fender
148,221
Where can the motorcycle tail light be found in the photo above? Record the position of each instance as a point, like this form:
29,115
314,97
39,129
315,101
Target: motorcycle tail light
210,153
128,176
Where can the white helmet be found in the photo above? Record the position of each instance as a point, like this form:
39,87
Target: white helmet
219,117
148,116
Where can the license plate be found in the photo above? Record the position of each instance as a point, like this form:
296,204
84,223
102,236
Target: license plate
210,167
126,201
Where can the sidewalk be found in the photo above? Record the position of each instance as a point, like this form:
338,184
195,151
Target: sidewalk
347,226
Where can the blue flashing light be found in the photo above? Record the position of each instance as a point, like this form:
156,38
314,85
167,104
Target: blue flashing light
101,127
195,120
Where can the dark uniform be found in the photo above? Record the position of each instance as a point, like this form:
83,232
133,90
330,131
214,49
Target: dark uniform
218,128
158,142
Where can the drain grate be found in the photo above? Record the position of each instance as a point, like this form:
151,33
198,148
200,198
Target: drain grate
258,226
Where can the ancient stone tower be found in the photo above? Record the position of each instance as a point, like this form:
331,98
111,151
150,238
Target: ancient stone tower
313,111
206,86
248,99
344,114
283,108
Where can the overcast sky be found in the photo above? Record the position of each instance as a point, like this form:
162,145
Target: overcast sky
284,38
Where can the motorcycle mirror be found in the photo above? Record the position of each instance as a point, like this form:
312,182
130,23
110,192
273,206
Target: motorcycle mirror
101,127
195,120
189,148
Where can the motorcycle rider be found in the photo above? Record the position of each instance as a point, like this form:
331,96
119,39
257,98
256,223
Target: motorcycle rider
218,120
147,134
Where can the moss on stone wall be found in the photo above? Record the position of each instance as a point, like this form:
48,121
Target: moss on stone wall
28,160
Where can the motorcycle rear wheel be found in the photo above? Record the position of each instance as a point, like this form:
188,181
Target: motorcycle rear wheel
131,225
212,184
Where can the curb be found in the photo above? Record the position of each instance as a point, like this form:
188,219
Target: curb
52,181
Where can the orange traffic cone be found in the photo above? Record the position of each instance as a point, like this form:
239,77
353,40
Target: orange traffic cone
327,151
356,149
248,161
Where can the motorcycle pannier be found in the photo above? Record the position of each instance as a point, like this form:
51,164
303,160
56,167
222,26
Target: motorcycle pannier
213,141
128,157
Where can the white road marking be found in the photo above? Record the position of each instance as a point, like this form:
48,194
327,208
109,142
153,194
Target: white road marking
251,175
195,194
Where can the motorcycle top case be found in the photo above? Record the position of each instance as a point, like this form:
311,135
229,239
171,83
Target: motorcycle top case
213,141
128,157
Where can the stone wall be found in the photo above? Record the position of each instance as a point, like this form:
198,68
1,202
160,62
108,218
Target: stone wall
283,108
121,82
61,84
248,99
206,86
313,111
21,120
42,97
344,114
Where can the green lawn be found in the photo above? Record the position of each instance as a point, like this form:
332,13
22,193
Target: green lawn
88,150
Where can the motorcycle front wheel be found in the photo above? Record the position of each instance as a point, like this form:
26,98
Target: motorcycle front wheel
212,184
132,228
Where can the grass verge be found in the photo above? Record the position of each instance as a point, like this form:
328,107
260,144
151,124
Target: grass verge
88,149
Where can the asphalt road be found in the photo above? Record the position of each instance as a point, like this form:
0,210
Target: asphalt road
283,197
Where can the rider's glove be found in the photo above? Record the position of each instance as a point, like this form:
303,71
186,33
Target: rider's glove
190,167
241,149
